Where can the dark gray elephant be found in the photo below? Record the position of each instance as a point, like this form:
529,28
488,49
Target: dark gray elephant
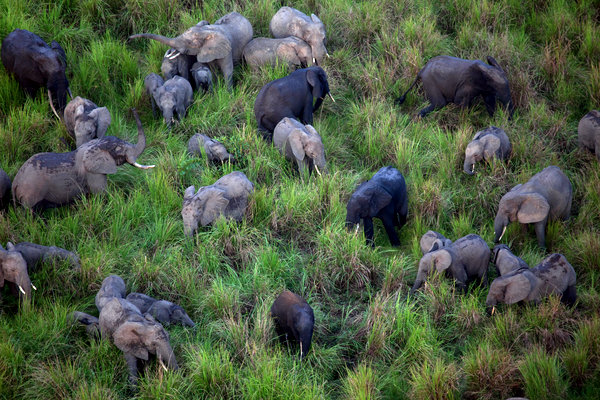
454,80
36,254
91,323
53,179
136,335
34,65
294,320
227,197
4,189
432,240
505,261
546,196
486,144
291,96
291,22
151,83
588,132
201,76
384,196
214,150
554,275
112,286
163,311
300,143
465,260
291,51
173,97
86,121
13,269
219,44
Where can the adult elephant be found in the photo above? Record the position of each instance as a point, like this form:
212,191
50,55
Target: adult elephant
291,96
13,269
34,64
219,44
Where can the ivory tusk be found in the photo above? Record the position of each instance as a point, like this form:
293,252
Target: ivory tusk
21,289
332,99
174,55
169,52
162,364
327,54
33,286
472,167
52,105
317,169
70,94
493,310
301,350
503,230
314,61
356,230
135,164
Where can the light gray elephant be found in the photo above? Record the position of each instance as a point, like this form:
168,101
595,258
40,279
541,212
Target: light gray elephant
173,64
136,335
432,241
505,261
13,269
112,286
54,179
36,254
227,197
174,97
4,189
487,144
301,143
86,121
291,22
588,132
163,311
465,260
214,150
201,76
554,275
219,44
546,196
151,83
292,51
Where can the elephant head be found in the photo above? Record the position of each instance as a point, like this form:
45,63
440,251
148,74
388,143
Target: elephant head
439,260
483,148
308,148
57,83
170,313
317,80
86,120
512,288
432,240
366,202
202,207
526,208
314,35
13,268
505,261
498,81
202,76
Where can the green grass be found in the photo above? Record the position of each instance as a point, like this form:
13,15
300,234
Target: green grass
371,340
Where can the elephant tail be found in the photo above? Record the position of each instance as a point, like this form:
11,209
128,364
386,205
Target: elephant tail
163,39
401,99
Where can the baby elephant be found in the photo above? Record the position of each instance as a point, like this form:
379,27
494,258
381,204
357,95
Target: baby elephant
112,286
487,144
466,260
85,120
383,197
294,320
292,51
505,261
588,132
151,83
301,143
92,324
163,311
554,275
214,150
228,197
173,97
36,254
201,76
432,240
4,189
546,196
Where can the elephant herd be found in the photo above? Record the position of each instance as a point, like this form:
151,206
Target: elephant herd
284,111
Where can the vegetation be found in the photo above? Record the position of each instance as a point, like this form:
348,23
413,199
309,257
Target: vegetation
370,340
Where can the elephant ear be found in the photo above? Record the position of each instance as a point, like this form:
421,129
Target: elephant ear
534,208
314,80
378,198
491,144
128,338
517,289
60,51
312,130
492,61
102,117
98,161
214,205
215,47
442,259
296,144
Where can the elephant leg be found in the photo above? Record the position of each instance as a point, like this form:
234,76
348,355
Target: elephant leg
540,232
368,229
180,110
597,146
569,296
226,66
307,114
490,104
402,214
427,110
388,224
153,103
132,366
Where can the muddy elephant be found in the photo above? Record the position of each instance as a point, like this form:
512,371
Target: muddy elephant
54,179
505,261
291,22
291,51
4,189
227,197
300,143
465,260
13,270
588,132
546,196
455,80
432,240
112,286
34,65
163,311
214,150
86,121
294,320
486,145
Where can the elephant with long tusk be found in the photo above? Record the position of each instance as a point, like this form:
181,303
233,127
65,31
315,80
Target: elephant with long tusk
13,269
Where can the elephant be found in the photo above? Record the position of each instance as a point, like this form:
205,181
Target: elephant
466,259
294,320
36,254
384,196
291,96
136,335
112,286
177,65
219,45
455,80
151,83
54,179
588,132
173,97
163,311
34,64
546,196
228,197
554,275
487,144
4,189
292,51
301,143
505,261
201,76
432,240
92,324
86,121
291,22
214,150
13,269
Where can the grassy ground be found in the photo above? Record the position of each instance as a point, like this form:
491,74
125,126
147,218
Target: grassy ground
370,341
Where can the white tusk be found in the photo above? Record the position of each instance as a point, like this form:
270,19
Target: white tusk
135,164
174,55
21,289
314,61
317,169
493,310
327,54
70,94
52,105
472,167
356,230
169,52
300,349
33,286
162,364
332,99
503,230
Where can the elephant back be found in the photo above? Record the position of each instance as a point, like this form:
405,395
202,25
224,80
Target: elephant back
555,273
235,26
235,185
474,253
114,313
555,187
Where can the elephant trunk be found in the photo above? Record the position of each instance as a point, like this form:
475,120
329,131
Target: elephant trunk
165,355
24,284
187,321
135,151
163,39
500,224
469,166
319,52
